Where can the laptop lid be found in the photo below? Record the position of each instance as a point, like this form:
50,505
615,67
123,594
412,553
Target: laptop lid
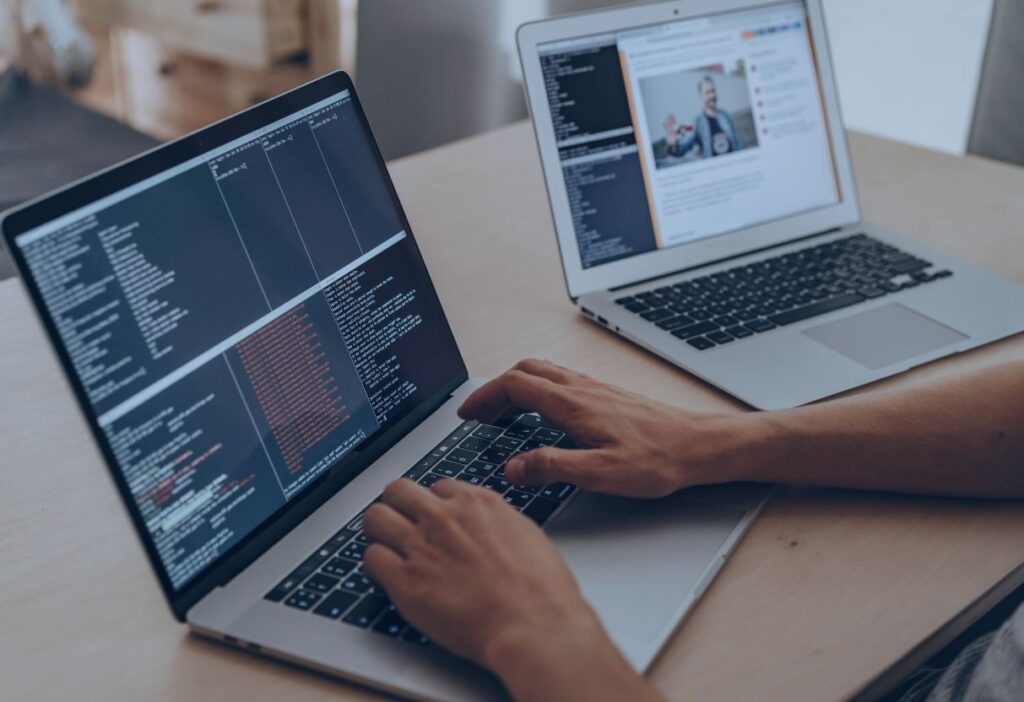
246,322
673,134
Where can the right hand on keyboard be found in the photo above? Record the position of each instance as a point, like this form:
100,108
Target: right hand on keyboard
628,444
483,581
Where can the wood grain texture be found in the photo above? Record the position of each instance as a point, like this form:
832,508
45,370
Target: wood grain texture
828,588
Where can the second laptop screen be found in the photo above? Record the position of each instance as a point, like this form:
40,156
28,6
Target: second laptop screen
673,133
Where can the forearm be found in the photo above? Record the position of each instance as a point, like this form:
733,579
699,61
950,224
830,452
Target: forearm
963,437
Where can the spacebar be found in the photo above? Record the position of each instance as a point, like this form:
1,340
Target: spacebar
830,305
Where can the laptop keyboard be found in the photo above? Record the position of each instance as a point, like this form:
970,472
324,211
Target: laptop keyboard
738,303
331,583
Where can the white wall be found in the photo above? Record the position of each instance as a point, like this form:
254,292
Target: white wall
908,69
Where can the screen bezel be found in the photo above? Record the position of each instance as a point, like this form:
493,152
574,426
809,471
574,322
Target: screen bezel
653,264
50,206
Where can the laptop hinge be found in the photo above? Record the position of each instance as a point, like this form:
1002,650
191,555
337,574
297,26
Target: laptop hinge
723,260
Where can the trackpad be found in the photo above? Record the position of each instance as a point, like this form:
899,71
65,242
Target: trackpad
884,336
638,561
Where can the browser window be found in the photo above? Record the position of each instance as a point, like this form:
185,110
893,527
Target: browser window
684,130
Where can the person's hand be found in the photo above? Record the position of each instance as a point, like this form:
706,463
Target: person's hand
628,444
483,581
671,130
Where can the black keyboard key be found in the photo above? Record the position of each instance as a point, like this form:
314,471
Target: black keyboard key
486,431
557,491
339,539
414,474
506,422
426,464
470,478
321,583
303,599
521,430
700,343
759,325
506,443
391,624
284,587
831,305
540,509
357,582
908,265
720,337
532,489
480,468
364,613
674,322
339,567
448,469
547,436
739,332
625,300
317,559
694,330
871,292
336,604
362,538
430,478
517,498
943,273
461,456
354,551
475,444
493,455
657,314
499,485
530,446
637,307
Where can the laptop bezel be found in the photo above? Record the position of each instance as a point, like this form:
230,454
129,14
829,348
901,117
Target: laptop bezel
52,205
655,264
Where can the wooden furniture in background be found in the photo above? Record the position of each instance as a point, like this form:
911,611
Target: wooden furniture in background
827,590
168,68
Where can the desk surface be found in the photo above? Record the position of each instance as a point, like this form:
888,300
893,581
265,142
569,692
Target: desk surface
827,589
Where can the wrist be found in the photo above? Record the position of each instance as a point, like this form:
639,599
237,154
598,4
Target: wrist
738,448
544,656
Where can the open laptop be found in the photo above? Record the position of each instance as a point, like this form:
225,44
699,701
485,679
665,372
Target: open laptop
256,345
705,206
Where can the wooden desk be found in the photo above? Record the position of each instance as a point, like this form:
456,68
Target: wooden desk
828,589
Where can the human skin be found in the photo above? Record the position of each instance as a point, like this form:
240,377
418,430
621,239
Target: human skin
484,581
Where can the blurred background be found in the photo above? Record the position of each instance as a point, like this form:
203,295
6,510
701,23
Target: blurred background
85,83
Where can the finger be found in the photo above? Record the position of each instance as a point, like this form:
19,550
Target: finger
386,526
384,567
446,489
410,500
583,467
552,371
516,389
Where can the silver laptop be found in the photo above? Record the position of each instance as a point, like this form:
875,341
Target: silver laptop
705,205
250,331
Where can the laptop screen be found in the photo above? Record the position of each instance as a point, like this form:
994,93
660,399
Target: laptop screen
672,133
242,322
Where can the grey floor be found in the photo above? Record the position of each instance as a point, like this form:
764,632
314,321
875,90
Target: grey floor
46,140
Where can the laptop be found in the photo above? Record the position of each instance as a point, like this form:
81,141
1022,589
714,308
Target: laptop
705,207
249,329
